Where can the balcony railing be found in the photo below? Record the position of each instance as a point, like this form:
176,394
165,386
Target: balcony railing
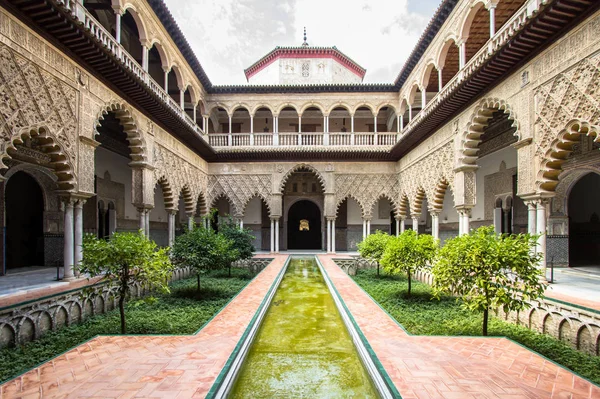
500,38
302,139
119,52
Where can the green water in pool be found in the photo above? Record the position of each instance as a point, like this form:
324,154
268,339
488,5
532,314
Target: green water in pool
303,349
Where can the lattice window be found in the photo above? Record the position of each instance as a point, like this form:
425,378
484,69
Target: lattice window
305,69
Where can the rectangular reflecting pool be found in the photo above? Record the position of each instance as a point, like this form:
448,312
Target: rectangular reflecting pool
303,349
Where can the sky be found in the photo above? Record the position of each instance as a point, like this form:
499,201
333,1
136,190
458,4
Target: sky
230,35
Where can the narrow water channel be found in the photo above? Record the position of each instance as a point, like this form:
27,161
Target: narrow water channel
303,349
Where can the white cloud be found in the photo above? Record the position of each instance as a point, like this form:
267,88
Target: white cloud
229,35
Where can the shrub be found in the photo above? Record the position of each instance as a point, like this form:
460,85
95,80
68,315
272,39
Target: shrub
125,259
487,270
373,246
407,253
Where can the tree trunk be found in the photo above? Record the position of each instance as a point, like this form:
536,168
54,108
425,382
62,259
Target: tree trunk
122,294
485,322
122,311
198,278
408,273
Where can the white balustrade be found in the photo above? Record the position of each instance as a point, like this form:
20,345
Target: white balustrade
340,139
288,138
364,139
311,139
217,139
106,38
263,139
240,139
502,36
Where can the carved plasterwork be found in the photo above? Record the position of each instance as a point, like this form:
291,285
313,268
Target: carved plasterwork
431,175
366,189
36,104
239,189
573,94
176,176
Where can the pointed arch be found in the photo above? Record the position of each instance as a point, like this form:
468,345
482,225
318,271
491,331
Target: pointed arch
417,202
60,159
471,137
350,196
436,203
130,126
188,198
201,205
167,192
298,168
403,207
260,196
232,205
395,205
560,148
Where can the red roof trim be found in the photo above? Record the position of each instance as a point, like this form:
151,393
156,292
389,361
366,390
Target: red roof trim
321,52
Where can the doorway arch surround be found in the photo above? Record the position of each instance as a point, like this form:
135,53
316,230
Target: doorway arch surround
289,203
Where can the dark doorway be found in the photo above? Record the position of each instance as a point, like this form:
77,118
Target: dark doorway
24,222
584,221
308,214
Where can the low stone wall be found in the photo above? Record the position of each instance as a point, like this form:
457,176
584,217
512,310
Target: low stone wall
577,326
27,321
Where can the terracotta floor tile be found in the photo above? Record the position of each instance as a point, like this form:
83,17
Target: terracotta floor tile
458,367
148,366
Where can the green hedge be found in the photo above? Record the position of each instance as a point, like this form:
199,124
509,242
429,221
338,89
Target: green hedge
183,311
422,315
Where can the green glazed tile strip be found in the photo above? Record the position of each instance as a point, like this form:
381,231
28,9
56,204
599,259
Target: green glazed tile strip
365,341
219,381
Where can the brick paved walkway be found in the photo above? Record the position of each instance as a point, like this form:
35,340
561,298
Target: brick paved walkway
455,367
147,366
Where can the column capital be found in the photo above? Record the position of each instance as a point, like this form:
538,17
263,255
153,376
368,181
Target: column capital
275,218
464,210
331,218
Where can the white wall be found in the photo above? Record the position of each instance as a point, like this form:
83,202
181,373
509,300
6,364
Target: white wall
252,214
448,213
289,71
488,165
159,213
118,168
354,212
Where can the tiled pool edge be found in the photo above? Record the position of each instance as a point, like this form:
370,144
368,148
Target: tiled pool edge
226,378
344,311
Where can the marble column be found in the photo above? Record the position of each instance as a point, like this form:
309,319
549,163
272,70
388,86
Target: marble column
142,212
78,215
541,230
118,27
333,236
435,225
415,223
68,241
277,235
397,227
531,217
328,235
368,227
171,226
190,222
272,235
402,225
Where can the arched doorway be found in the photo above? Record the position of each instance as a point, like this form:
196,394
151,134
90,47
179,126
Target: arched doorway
24,203
304,226
584,221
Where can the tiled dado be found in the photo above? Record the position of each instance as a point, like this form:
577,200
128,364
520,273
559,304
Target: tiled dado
454,367
147,366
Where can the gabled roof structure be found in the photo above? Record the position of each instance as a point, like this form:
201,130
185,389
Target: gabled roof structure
304,52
